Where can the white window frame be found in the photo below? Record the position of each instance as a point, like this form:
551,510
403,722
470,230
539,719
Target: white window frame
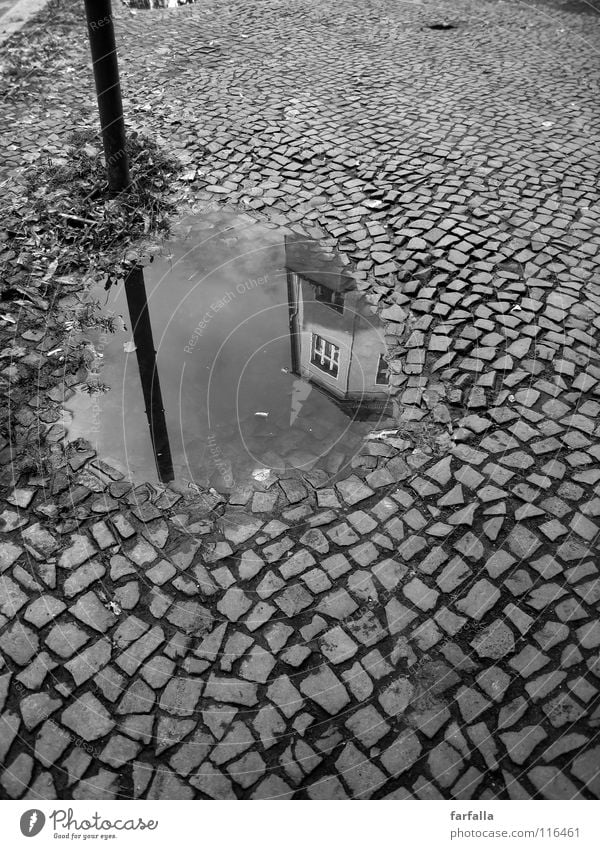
324,358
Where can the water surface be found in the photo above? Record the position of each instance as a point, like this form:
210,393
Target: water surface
268,358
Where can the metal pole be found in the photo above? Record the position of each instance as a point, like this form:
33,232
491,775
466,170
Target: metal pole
101,33
139,315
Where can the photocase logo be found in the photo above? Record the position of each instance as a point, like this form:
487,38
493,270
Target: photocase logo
32,822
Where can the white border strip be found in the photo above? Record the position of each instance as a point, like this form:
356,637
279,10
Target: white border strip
400,824
16,18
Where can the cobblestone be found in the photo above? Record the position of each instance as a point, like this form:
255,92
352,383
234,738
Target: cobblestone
377,620
88,718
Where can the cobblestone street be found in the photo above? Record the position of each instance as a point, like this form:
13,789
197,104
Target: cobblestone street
425,626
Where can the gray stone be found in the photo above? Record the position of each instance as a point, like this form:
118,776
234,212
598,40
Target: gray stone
325,688
138,698
136,653
12,598
167,785
88,718
553,784
367,725
353,490
90,610
522,542
238,526
9,554
586,768
83,577
234,604
80,550
118,751
496,641
285,695
362,777
192,753
231,691
191,617
520,744
36,708
273,788
396,697
250,565
19,642
237,740
212,783
420,594
181,696
337,646
402,753
50,743
257,666
479,600
294,599
40,540
296,564
270,725
17,775
445,764
43,610
471,703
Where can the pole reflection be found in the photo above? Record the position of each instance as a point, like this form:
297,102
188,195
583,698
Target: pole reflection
135,290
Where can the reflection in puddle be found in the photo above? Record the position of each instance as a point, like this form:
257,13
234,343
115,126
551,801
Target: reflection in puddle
143,342
268,358
335,343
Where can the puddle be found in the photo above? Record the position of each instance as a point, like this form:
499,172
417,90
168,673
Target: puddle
267,357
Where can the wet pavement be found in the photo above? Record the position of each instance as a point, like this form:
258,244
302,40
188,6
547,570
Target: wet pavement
426,625
237,313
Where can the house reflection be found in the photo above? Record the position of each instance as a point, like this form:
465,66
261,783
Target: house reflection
337,344
337,348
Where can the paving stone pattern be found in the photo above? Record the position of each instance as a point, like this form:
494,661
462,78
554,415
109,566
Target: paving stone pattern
426,627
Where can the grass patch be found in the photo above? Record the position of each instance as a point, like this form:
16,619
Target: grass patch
65,222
